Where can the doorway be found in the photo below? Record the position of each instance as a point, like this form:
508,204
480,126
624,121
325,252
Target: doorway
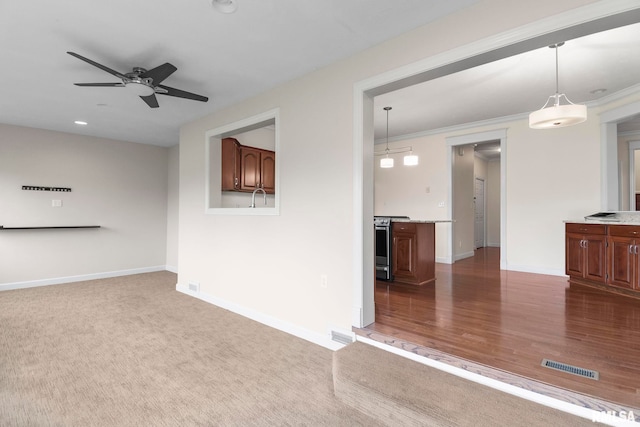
479,208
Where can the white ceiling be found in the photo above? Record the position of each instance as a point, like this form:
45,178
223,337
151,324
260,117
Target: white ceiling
517,85
265,43
227,57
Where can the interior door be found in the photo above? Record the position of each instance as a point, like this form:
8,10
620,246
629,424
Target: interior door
479,216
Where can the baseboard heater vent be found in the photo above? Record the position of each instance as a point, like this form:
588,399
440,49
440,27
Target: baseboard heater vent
194,286
341,338
581,372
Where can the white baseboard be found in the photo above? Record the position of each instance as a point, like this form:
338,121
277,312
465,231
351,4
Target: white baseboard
534,269
171,268
80,278
444,260
464,255
319,339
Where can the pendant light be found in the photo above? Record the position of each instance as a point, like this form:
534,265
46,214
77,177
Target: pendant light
410,159
386,161
557,115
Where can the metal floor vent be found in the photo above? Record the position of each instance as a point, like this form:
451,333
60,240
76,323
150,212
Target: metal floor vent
341,338
581,372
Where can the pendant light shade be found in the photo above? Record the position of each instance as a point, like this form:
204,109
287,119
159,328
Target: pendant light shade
410,159
386,161
554,114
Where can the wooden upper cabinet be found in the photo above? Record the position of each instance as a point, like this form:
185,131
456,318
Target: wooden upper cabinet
250,168
247,168
268,171
230,167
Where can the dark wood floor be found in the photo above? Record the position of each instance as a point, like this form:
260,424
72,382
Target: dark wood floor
511,321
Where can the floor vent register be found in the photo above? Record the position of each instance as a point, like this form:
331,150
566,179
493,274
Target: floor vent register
575,370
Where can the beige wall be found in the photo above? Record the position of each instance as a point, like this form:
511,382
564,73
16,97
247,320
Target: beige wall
493,203
173,188
272,265
120,186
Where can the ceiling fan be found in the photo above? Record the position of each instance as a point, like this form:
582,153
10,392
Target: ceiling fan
145,83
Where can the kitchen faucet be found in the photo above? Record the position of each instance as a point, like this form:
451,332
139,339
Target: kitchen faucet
253,197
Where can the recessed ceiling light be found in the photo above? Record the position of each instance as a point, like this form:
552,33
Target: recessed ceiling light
80,122
225,6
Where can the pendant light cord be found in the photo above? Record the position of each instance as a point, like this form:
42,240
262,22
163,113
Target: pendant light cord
387,110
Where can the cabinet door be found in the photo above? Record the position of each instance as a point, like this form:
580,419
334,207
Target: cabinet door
250,168
574,255
230,165
404,256
268,171
595,248
622,262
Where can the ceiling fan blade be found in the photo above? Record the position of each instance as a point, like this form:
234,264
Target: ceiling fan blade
151,100
101,84
182,94
95,64
159,73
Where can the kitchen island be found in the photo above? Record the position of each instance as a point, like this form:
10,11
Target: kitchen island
414,251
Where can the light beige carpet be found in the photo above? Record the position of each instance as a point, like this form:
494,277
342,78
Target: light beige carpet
399,391
131,351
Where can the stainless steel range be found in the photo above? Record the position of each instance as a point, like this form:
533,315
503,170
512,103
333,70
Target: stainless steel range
383,228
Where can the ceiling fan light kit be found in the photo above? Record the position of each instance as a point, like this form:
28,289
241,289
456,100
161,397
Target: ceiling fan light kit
225,6
387,162
553,114
142,82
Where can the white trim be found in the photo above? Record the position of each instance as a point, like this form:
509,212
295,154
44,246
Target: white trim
463,255
79,278
444,260
536,270
172,269
244,125
513,390
265,319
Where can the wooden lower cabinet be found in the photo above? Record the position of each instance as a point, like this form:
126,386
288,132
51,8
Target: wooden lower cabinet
605,256
624,260
586,251
413,253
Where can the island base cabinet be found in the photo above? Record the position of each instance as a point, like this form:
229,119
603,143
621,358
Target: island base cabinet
585,251
413,253
605,256
624,257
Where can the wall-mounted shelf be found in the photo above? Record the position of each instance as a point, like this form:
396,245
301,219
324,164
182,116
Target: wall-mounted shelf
48,228
43,188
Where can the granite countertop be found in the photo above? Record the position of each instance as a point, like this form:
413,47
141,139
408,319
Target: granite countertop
617,217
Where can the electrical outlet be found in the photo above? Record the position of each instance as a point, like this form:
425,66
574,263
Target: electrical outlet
194,286
56,203
441,204
323,281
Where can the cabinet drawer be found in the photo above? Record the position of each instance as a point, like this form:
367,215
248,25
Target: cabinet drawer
624,230
572,227
406,227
